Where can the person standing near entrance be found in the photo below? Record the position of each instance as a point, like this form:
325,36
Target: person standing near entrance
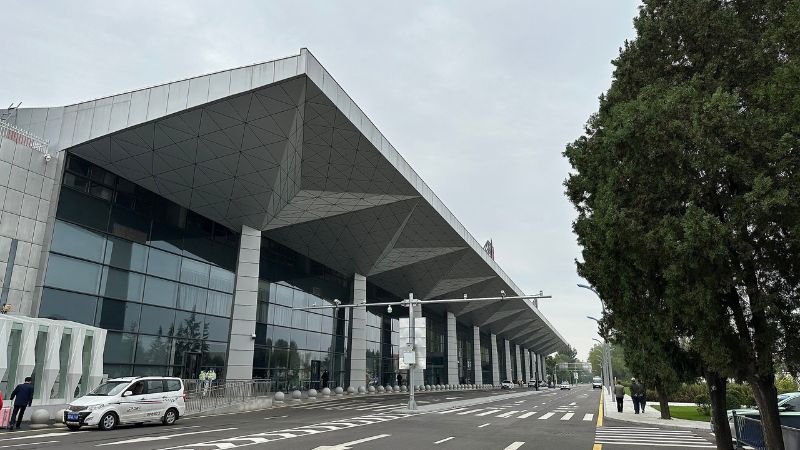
399,380
619,393
23,398
325,378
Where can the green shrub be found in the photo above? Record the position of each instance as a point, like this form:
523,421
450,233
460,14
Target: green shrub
745,393
703,404
687,393
785,384
732,400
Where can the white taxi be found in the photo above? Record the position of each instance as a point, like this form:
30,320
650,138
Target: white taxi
131,400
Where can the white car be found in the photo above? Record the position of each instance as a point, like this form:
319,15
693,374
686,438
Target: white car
506,384
565,385
597,383
131,400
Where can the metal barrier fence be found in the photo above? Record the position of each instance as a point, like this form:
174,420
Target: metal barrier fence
205,396
22,137
748,432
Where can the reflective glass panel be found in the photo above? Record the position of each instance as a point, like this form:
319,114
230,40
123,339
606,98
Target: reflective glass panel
192,298
153,350
79,208
160,292
129,225
119,348
217,328
222,280
118,315
194,272
219,304
163,264
62,305
72,274
125,254
215,356
122,284
157,320
189,325
77,241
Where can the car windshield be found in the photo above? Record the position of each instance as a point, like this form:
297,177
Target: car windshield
506,381
783,398
110,388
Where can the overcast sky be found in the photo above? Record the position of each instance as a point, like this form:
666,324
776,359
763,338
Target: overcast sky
480,97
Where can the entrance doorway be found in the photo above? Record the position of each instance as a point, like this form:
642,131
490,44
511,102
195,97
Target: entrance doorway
191,365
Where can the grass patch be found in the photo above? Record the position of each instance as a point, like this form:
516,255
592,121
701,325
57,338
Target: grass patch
685,412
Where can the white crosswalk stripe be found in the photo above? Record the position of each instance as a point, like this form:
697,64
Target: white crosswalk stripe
491,411
507,414
567,416
526,415
547,416
470,411
652,437
451,410
588,417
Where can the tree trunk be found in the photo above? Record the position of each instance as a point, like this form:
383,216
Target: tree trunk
663,400
766,398
717,390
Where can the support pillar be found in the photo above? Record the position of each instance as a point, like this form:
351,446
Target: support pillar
495,362
517,356
476,355
509,374
527,355
245,303
452,350
358,334
419,374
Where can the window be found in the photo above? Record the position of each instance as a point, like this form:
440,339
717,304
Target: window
163,264
160,292
173,385
194,272
121,284
153,350
72,274
217,328
129,225
219,304
118,315
155,386
221,279
77,241
192,298
119,348
79,208
157,320
125,254
63,305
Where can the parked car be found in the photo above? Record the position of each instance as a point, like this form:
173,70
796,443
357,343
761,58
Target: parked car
788,410
131,400
597,383
506,384
565,385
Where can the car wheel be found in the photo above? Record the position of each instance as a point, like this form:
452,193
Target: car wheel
170,416
108,421
74,427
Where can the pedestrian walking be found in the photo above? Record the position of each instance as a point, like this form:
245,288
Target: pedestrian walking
643,398
325,378
399,379
619,393
23,397
636,395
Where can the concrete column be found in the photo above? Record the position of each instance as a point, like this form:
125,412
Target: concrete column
517,356
528,366
495,362
452,350
358,336
509,375
419,374
476,355
245,302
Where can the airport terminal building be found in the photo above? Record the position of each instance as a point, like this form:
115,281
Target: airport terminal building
187,219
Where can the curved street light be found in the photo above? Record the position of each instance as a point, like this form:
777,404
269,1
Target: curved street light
607,370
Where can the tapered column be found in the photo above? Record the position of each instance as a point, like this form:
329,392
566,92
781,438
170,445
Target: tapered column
495,362
476,358
509,374
245,302
419,374
358,342
452,350
519,363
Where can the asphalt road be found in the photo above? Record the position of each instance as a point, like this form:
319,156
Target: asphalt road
562,420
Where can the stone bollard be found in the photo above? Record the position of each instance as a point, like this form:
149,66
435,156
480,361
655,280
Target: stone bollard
427,387
362,390
312,394
339,390
60,415
297,395
381,389
351,390
395,388
279,396
371,389
326,392
40,418
403,388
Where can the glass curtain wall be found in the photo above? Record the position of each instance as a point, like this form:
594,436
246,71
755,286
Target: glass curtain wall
159,277
486,358
501,358
382,338
436,371
294,348
464,345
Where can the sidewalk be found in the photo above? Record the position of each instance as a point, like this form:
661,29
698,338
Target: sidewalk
650,416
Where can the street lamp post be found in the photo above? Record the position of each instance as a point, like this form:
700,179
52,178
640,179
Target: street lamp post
604,360
606,357
610,366
410,302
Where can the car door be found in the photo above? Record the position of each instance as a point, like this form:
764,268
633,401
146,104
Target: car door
132,406
155,403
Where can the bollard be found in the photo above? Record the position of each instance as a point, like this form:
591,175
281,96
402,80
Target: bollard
381,389
371,389
297,395
362,390
351,390
279,396
326,392
40,418
312,394
403,388
339,390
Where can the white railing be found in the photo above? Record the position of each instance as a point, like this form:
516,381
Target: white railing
23,137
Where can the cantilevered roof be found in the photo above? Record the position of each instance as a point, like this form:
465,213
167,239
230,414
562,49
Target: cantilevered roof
280,147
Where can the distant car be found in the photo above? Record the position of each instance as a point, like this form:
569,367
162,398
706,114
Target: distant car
597,383
506,384
532,384
565,385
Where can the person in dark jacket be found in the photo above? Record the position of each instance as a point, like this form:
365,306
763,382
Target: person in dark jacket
637,393
23,397
619,393
325,378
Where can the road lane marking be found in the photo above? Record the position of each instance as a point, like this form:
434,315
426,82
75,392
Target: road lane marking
347,445
161,438
597,447
37,436
484,425
547,416
526,415
572,404
507,414
600,411
588,417
567,416
451,410
28,443
470,411
182,428
444,440
491,411
514,446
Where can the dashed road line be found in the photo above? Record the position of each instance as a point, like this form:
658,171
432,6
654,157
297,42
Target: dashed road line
444,440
